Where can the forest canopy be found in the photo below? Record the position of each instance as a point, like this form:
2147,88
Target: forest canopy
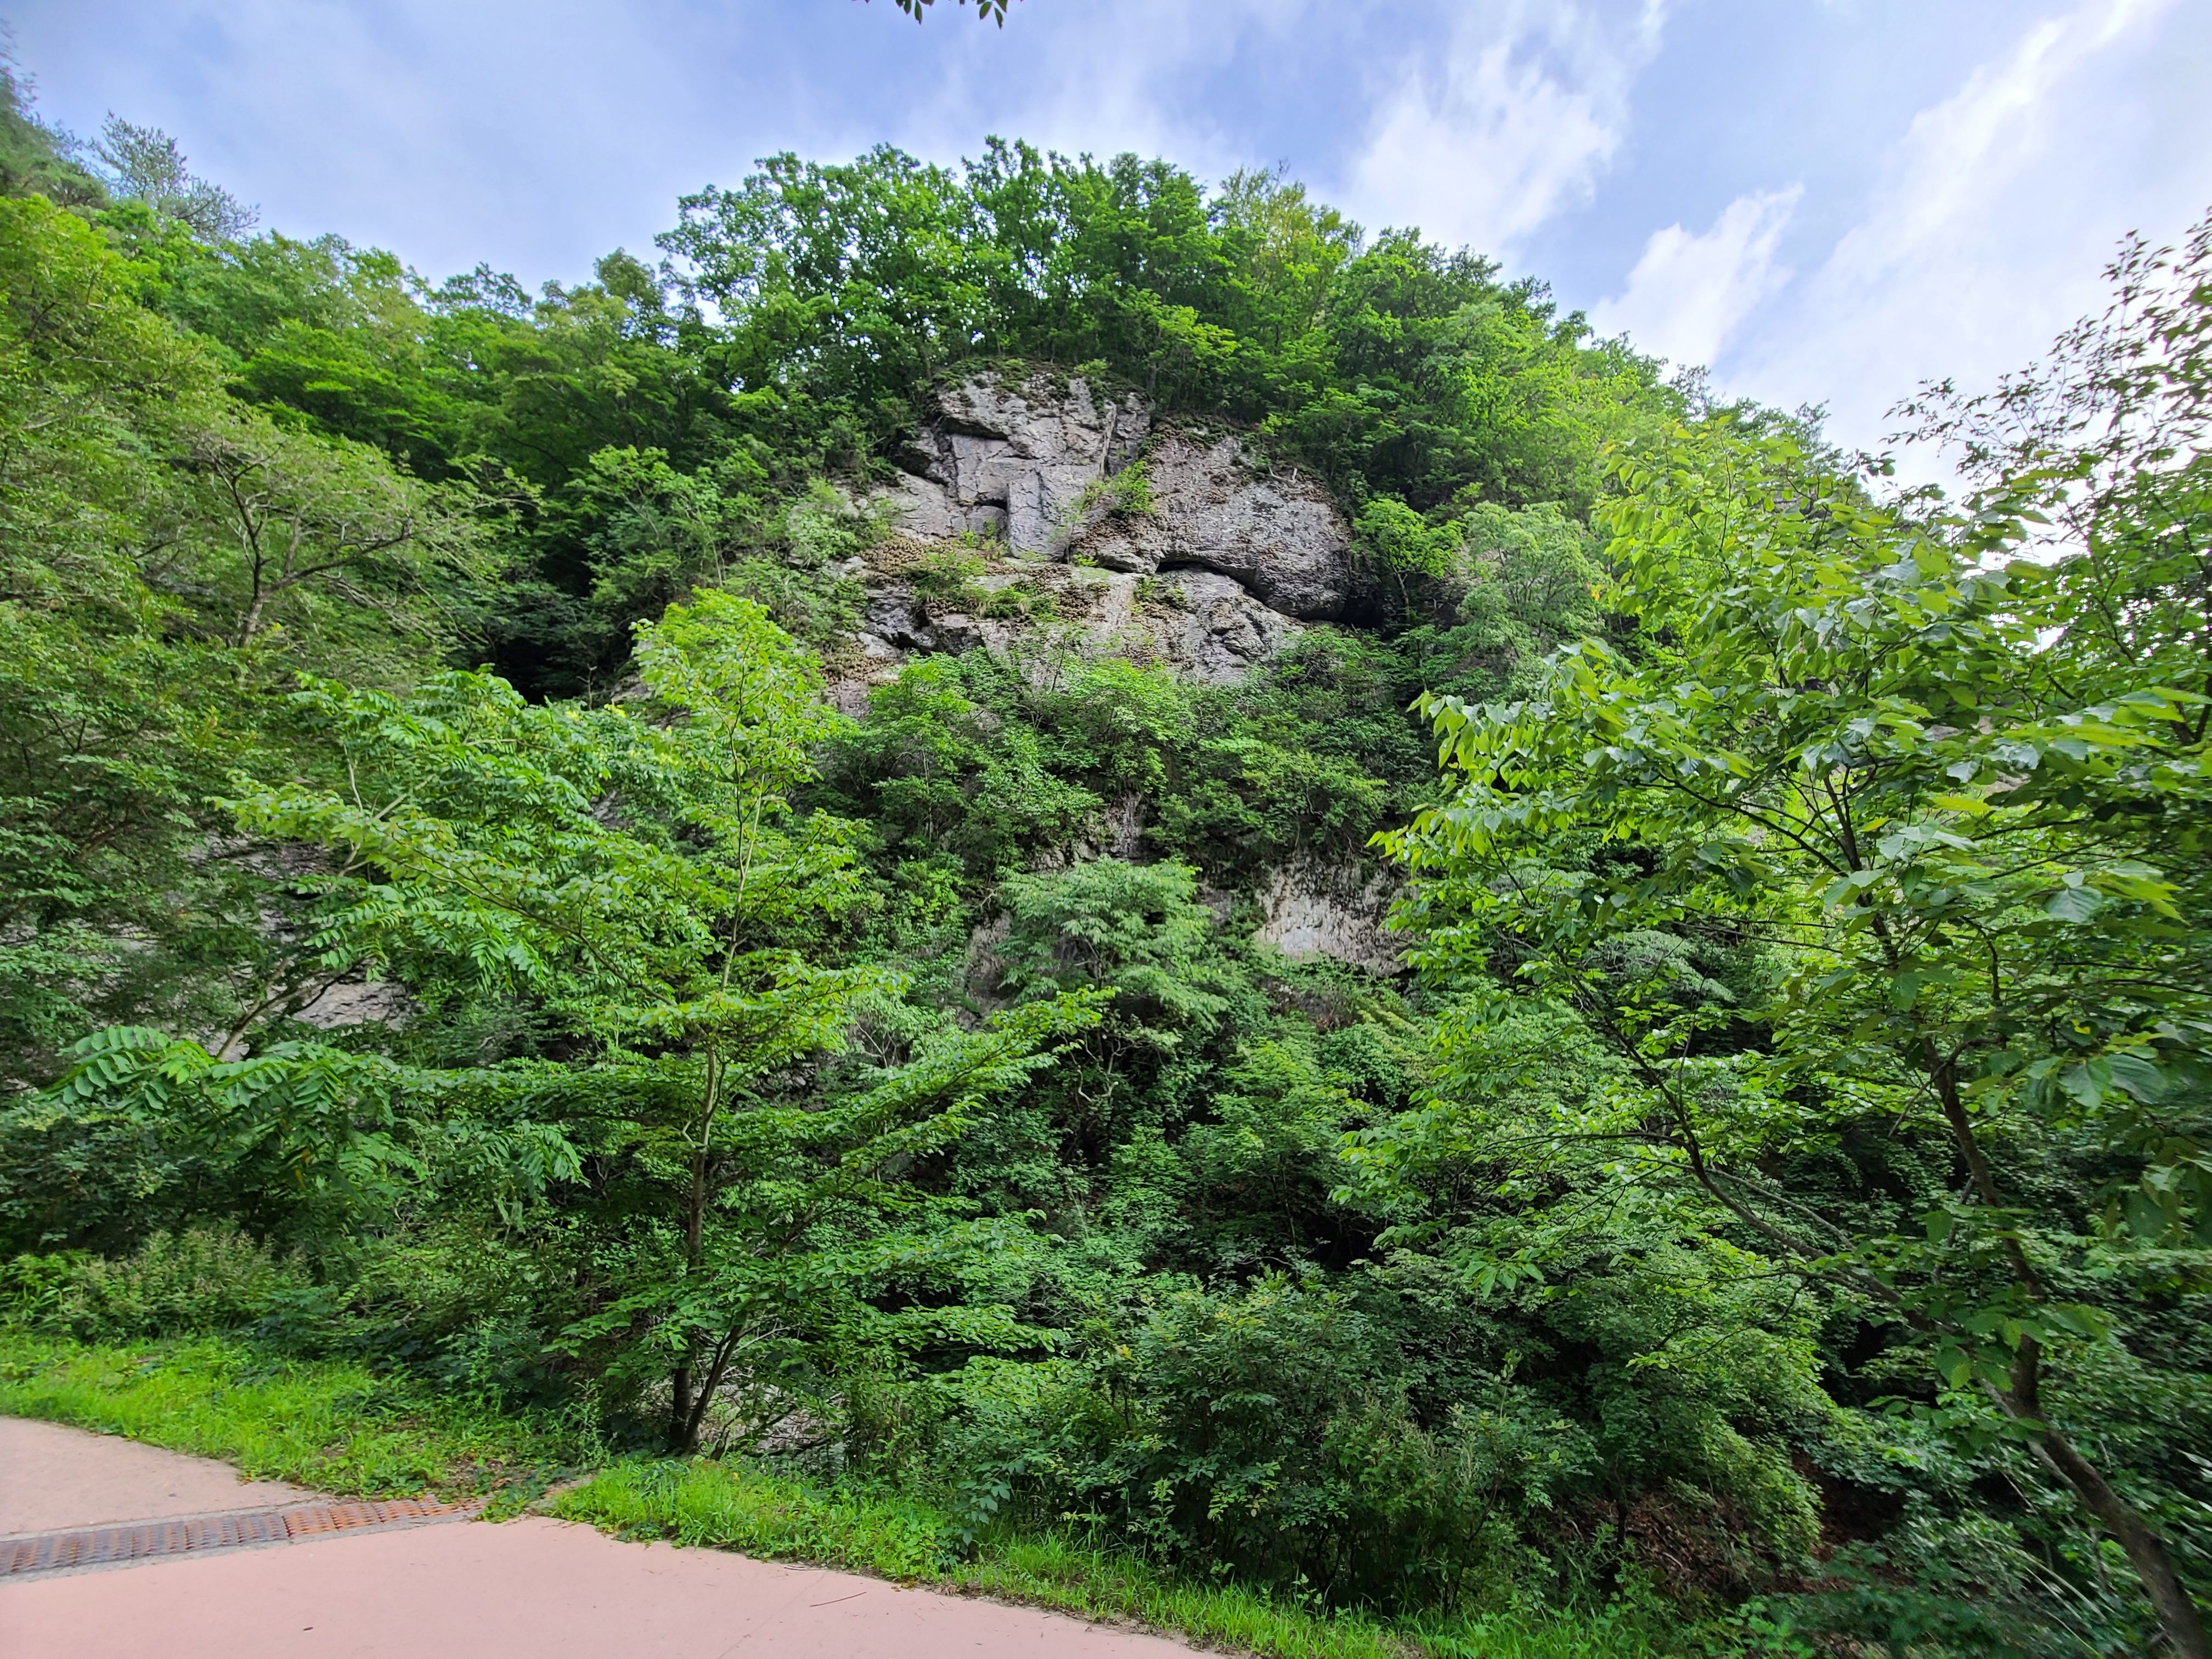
468,907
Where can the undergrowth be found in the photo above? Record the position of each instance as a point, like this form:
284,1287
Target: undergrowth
740,1507
341,1428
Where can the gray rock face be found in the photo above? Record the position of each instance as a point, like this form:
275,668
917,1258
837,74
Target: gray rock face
1016,462
1280,536
1204,625
1211,627
897,620
1214,580
354,1002
1310,908
1013,461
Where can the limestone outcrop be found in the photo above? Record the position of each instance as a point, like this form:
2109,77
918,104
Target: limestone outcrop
1010,534
1025,463
1210,625
1012,461
1202,625
1278,536
1312,908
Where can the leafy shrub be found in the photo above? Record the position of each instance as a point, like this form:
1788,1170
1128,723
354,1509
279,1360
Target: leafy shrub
1128,492
948,574
204,1280
1267,1433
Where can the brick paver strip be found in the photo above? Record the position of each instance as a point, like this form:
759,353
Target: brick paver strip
46,1551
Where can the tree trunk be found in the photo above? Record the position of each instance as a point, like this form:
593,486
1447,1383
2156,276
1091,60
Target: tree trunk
2177,1615
685,1413
679,1406
717,1368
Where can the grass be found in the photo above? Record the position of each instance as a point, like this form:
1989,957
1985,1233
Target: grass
738,1507
322,1424
340,1428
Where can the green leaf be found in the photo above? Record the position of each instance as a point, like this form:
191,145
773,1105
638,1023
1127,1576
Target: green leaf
1955,1365
2075,904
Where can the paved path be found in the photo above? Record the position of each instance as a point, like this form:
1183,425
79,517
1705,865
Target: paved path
532,1588
52,1477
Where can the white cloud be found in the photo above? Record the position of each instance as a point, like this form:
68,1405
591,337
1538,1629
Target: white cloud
1526,105
1689,292
1996,214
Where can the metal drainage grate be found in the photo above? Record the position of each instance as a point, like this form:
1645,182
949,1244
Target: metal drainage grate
137,1541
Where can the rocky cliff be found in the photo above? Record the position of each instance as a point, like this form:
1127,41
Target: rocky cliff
1168,541
1082,520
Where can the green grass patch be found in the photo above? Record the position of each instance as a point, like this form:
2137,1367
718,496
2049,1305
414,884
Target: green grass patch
323,1424
1062,1572
340,1428
732,1506
738,1507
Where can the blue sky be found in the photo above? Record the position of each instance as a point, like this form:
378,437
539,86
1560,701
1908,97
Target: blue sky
1827,200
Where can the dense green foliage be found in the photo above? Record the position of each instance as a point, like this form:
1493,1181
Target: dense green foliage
447,929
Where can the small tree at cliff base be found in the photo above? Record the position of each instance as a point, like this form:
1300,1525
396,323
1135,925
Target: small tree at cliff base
642,876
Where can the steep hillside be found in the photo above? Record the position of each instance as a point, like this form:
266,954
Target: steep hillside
833,855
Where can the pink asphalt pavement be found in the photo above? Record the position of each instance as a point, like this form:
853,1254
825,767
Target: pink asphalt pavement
532,1588
52,1477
